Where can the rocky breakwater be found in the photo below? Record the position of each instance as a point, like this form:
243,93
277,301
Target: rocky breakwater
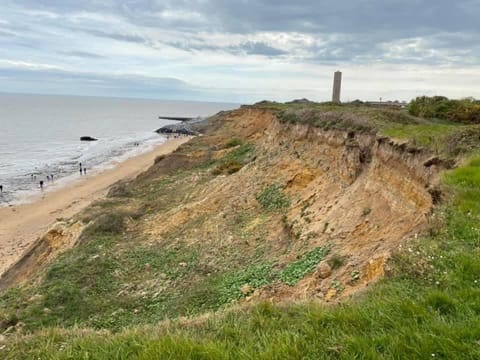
189,127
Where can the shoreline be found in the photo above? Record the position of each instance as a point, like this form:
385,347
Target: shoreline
21,225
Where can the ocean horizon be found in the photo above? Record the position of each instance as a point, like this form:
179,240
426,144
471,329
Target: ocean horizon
41,136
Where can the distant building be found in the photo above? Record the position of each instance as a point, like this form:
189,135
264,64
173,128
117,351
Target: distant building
388,104
337,86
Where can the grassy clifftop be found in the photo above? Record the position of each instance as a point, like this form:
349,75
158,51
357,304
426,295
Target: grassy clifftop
207,229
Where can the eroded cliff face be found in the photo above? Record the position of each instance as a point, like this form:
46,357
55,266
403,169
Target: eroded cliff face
358,195
361,195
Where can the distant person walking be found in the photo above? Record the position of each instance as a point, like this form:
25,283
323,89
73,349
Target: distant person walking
80,171
51,178
48,177
84,171
1,189
41,185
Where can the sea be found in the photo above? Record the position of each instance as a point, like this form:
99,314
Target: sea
40,136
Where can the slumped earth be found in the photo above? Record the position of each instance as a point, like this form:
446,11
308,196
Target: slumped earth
285,231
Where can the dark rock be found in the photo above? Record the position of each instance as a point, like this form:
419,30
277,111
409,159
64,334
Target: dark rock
87,138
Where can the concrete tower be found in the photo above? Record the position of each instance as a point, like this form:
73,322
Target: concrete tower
337,85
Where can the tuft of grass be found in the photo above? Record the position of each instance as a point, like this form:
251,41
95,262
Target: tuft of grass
234,142
336,261
110,223
230,167
366,211
235,159
272,198
295,271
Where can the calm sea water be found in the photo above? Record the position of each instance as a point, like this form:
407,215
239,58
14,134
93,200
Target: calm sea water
40,136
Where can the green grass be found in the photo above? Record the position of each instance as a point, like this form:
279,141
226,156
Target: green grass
433,136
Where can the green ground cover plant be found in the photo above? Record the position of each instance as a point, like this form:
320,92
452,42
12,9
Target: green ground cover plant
272,198
295,271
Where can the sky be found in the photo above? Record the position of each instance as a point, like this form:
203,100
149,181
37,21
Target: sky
241,51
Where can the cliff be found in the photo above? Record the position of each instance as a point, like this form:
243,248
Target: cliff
355,195
231,246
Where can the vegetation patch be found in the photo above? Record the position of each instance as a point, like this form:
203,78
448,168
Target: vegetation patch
295,271
272,198
234,142
466,111
336,120
235,159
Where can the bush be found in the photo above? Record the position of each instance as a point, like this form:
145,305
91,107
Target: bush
466,111
107,224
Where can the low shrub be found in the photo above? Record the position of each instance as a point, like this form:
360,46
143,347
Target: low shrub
466,111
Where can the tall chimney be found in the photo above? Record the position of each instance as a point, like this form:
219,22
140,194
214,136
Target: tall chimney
337,85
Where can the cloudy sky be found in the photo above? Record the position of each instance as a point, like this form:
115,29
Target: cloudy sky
241,50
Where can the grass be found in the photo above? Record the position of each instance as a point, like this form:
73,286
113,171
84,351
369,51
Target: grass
234,160
433,136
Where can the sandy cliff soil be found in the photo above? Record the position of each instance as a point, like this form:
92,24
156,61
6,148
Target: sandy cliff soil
357,194
354,195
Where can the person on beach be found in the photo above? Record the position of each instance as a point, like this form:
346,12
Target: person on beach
48,177
41,185
51,178
1,189
84,171
80,171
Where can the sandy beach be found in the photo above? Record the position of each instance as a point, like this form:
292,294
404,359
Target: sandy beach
21,225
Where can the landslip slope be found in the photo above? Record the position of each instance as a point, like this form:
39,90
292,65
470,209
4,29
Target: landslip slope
256,208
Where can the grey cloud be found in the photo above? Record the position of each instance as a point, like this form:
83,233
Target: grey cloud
98,84
82,54
117,36
6,33
356,30
260,48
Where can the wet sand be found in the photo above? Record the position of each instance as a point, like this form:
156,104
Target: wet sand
21,225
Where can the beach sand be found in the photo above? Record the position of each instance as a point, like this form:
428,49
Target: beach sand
21,225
